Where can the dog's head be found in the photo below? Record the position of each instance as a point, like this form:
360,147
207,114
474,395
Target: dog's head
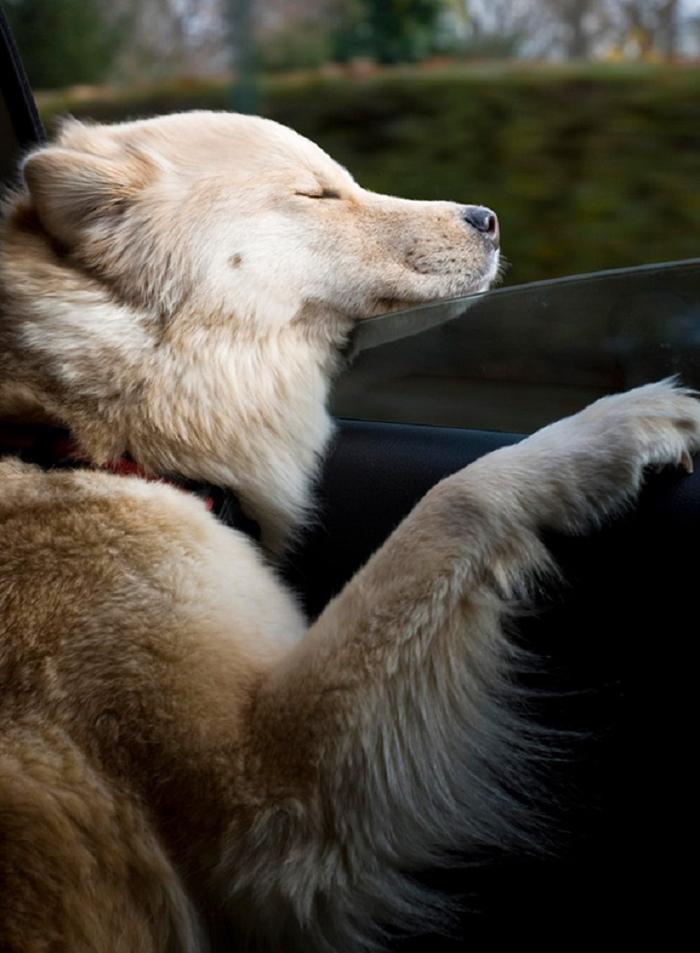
178,288
242,216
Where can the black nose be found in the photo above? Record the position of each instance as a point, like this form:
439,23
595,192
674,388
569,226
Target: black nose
483,220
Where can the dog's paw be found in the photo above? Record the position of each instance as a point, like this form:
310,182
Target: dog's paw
615,440
575,473
659,424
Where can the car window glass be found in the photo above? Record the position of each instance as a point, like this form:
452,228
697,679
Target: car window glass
8,143
517,358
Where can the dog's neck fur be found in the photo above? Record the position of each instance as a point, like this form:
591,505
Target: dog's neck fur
238,405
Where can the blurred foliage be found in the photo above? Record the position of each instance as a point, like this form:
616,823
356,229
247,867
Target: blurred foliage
488,46
63,41
388,31
305,45
588,167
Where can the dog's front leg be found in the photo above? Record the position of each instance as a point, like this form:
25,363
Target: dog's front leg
390,736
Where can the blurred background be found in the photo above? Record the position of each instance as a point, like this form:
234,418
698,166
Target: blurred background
577,120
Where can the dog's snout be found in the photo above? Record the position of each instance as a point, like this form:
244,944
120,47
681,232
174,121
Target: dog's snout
483,220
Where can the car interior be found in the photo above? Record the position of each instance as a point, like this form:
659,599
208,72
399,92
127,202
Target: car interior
425,393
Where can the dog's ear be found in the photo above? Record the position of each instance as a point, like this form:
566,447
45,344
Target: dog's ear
72,190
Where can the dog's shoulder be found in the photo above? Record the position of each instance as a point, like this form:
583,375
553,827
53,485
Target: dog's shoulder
28,489
84,550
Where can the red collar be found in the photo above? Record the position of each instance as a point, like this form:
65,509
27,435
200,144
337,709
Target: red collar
53,448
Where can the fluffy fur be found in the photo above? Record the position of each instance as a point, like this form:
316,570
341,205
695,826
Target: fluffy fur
174,738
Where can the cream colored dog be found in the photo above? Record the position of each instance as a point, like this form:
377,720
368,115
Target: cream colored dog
174,739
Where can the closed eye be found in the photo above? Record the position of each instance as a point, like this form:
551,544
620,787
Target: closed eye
323,194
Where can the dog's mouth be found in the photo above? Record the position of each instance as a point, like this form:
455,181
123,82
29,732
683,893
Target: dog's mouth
455,287
387,305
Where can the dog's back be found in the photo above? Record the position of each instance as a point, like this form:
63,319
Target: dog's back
110,651
80,866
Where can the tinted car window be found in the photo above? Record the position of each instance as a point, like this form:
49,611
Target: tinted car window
20,126
7,152
518,358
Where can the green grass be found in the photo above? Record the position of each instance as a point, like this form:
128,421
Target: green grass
588,167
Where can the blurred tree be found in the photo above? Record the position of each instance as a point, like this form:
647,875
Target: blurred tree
670,14
503,28
294,34
240,21
168,37
576,29
63,42
577,22
650,25
390,31
299,45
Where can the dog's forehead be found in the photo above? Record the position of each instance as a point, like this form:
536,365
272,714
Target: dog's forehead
202,141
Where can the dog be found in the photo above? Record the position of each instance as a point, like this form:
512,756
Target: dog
175,739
